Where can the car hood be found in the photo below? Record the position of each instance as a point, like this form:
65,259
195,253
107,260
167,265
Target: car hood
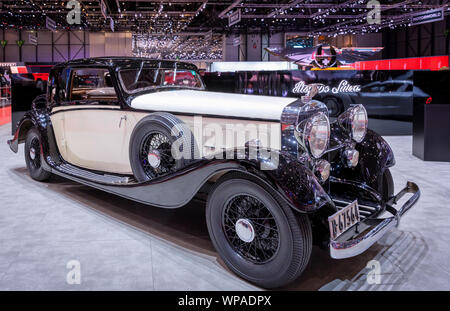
213,104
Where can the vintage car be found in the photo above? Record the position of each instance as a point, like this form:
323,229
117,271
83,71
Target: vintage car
147,130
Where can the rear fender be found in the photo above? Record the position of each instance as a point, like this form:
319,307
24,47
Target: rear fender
34,118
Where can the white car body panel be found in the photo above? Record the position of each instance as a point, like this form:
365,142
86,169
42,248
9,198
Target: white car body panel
214,104
89,136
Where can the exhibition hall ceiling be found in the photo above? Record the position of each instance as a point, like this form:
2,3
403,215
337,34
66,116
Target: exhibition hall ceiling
175,16
175,47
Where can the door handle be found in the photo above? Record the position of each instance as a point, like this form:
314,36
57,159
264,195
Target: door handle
123,118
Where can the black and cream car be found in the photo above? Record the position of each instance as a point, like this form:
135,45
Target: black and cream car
276,175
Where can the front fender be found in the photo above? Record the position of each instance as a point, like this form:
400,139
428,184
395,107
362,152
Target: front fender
292,180
375,156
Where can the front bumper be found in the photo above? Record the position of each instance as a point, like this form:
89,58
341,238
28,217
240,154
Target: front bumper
361,236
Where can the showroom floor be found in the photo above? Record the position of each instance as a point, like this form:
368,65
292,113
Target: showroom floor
122,245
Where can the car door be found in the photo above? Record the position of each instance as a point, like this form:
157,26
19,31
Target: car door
94,126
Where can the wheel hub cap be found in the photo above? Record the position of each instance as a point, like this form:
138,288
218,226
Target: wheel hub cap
244,230
32,153
154,158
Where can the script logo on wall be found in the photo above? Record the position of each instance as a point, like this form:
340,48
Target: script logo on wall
343,87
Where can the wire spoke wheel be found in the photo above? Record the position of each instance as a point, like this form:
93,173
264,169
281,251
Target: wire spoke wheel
258,236
34,153
250,228
156,155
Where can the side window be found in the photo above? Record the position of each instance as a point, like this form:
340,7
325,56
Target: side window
392,87
57,86
92,84
371,89
405,87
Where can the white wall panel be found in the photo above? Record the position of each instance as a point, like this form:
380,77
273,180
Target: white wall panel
276,40
65,46
29,53
96,44
254,47
44,37
11,36
12,52
60,54
60,37
230,51
77,51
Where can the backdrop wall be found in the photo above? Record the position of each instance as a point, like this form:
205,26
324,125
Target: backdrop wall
60,46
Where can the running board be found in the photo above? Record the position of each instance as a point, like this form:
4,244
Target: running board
156,192
94,177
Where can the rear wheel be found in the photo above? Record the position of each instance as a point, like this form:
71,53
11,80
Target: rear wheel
33,156
258,237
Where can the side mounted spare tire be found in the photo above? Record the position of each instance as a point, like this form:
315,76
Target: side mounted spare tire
151,153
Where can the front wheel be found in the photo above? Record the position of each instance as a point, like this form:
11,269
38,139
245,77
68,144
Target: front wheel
258,237
33,156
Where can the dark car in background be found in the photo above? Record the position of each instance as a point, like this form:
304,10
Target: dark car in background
390,99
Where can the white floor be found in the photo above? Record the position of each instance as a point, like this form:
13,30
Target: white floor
46,228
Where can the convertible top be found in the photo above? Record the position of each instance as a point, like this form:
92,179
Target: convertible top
127,62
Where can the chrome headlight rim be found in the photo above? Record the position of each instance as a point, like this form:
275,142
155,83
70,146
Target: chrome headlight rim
303,133
347,121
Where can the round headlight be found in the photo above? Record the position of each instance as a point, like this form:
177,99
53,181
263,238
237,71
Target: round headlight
354,121
314,134
359,123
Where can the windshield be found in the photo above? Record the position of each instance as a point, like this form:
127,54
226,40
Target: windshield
140,79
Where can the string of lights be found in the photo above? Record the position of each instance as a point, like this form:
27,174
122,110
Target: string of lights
192,47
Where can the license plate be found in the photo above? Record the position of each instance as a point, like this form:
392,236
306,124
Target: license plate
342,220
